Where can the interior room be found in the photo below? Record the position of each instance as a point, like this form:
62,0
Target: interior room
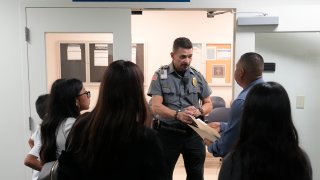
292,44
213,48
213,39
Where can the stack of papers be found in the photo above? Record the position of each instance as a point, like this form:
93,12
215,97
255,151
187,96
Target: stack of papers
205,131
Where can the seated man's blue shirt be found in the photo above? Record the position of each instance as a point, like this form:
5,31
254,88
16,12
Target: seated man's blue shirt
230,131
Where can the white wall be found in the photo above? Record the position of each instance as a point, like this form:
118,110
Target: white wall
297,58
298,16
13,122
292,18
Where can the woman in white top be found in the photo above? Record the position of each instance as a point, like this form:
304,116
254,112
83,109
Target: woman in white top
67,98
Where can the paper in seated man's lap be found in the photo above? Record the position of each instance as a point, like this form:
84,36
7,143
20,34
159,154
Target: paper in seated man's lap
204,131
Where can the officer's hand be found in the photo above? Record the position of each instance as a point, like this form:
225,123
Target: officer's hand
193,111
183,116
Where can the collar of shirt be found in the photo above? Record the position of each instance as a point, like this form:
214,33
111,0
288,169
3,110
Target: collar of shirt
245,91
171,70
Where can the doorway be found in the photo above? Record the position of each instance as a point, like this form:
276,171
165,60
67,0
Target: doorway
213,42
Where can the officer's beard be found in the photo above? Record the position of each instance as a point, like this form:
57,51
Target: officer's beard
182,69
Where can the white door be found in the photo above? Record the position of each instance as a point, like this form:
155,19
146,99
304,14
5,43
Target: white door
40,21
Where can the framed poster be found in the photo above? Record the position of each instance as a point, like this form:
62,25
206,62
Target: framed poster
218,64
218,73
73,60
100,56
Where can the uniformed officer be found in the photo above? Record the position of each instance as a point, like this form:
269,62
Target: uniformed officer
177,91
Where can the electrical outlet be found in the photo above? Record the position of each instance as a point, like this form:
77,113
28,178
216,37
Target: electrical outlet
300,102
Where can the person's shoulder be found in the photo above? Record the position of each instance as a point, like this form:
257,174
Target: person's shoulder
195,70
70,120
237,105
163,67
85,115
36,132
83,119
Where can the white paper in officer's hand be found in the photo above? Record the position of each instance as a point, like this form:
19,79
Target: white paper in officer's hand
204,131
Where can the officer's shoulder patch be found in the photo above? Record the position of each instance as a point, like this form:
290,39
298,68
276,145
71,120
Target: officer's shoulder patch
164,67
154,77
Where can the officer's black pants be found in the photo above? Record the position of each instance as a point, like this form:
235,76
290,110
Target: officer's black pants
192,148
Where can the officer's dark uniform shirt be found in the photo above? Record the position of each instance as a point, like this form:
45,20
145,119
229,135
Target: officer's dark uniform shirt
178,92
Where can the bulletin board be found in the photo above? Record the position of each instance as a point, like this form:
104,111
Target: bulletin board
218,64
87,61
101,55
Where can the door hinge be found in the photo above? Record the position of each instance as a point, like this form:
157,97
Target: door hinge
30,123
27,34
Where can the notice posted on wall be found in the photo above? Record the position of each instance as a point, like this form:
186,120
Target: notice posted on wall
224,54
74,53
101,54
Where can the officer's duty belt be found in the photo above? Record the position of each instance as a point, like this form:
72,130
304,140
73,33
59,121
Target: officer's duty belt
157,125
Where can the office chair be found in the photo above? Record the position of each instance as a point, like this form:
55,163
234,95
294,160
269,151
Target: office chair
219,114
217,101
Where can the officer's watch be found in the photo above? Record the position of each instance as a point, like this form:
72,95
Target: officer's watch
176,115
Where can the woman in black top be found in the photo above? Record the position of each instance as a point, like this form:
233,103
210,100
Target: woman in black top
268,148
114,141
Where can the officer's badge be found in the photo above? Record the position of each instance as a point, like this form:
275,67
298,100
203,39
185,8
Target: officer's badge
194,81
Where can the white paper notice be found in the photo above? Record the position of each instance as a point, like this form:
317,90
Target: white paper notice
134,53
211,53
223,53
74,52
101,54
197,55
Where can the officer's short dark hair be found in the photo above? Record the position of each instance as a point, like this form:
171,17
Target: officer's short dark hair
181,42
42,105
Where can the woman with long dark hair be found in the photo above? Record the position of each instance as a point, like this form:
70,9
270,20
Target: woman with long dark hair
115,141
67,98
268,147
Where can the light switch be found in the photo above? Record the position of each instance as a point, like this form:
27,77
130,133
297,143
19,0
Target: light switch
300,102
